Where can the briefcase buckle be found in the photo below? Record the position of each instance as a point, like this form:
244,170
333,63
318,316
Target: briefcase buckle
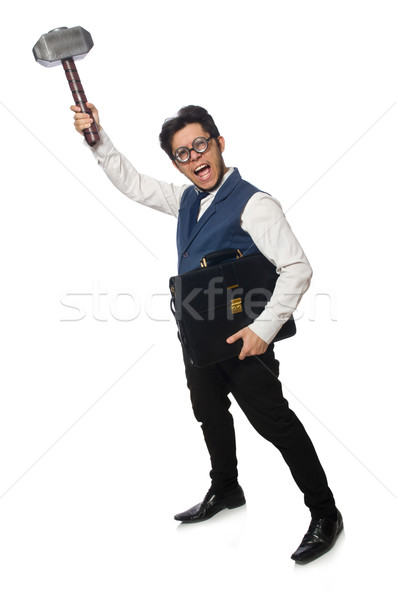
236,306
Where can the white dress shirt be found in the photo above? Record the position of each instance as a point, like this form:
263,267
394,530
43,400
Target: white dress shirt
262,218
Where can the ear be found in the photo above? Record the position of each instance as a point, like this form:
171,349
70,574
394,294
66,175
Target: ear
221,143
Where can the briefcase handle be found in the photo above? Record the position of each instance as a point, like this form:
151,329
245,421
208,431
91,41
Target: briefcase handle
214,258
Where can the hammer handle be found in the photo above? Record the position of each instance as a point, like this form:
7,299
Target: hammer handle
91,133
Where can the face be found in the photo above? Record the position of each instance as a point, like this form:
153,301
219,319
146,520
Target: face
204,170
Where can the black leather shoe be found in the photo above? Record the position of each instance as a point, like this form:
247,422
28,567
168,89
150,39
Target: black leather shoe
320,538
212,504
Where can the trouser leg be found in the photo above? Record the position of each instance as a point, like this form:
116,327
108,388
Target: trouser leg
210,404
258,391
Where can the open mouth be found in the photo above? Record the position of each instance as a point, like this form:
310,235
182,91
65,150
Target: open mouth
203,171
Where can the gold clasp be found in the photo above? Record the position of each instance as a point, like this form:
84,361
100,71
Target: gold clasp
236,306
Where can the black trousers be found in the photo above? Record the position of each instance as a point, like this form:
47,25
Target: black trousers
257,389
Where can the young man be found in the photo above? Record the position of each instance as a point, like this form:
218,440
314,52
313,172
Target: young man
220,210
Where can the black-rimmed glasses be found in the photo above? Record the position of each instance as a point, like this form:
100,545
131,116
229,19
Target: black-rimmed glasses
200,145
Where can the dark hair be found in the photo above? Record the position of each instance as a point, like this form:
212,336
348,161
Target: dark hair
186,116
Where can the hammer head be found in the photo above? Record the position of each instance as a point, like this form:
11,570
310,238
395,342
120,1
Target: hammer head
62,43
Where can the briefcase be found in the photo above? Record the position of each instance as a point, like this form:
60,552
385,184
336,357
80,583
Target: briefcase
212,303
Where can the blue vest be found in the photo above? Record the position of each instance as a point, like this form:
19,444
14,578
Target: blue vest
219,227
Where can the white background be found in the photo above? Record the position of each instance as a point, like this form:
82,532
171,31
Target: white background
98,444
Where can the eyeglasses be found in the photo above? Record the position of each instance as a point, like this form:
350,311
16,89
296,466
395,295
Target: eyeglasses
200,145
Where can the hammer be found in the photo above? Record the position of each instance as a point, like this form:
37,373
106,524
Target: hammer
62,45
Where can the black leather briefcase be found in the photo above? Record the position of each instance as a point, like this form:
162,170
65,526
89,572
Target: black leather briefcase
212,303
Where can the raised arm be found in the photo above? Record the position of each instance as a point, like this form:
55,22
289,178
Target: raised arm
146,190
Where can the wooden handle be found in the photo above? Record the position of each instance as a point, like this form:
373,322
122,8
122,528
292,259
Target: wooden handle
91,134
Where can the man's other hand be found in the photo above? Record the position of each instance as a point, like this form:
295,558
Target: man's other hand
252,343
83,120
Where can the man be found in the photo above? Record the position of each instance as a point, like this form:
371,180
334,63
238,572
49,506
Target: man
231,213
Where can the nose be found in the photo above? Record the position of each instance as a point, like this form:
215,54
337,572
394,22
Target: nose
194,155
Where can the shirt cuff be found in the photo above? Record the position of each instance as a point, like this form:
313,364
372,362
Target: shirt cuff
102,148
267,326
